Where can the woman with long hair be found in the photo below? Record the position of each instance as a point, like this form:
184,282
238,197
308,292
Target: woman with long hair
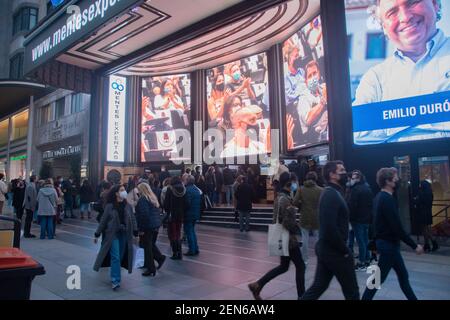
118,224
149,221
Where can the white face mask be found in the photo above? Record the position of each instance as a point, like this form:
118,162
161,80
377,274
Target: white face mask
123,194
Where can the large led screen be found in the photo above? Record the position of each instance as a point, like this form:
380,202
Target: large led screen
166,107
238,105
305,87
399,53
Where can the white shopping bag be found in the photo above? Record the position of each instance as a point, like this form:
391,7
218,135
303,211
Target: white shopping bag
138,257
278,240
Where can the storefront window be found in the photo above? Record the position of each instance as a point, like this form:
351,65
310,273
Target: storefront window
4,132
20,126
17,166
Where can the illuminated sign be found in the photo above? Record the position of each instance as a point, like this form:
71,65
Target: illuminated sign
62,152
116,119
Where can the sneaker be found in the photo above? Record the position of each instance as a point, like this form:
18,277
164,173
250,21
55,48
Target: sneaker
361,267
115,286
30,236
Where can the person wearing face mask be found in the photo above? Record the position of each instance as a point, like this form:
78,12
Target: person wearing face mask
239,85
334,259
118,224
312,107
360,204
172,101
389,232
218,97
285,213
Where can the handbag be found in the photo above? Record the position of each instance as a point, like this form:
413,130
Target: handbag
278,239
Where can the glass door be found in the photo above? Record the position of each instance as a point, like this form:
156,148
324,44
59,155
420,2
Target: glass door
404,195
436,170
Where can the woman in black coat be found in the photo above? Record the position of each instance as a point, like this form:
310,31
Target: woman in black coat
149,221
424,205
18,191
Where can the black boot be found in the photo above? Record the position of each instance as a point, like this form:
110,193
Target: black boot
179,250
426,247
173,245
435,245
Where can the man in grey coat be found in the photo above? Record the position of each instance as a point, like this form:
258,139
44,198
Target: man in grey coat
29,204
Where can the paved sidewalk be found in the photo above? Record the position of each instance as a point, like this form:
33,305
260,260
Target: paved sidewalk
228,261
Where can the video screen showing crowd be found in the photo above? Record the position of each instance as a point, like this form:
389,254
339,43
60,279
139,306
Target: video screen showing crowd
400,70
166,106
305,87
238,102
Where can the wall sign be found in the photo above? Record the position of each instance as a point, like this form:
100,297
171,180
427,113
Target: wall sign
74,22
63,152
116,119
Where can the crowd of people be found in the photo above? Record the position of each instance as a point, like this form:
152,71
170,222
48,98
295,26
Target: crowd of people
344,209
334,205
45,202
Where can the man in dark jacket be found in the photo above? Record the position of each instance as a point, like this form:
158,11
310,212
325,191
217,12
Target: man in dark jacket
388,234
29,204
219,184
228,181
334,259
18,191
192,214
244,196
360,204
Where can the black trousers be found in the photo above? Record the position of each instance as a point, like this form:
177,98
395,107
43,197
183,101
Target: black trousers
28,219
329,266
295,256
151,251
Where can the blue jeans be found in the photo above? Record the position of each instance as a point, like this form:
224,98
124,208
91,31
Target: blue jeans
189,231
46,226
216,197
390,257
84,207
116,252
362,237
244,215
229,194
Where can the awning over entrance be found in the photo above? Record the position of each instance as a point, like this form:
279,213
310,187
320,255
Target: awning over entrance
16,94
158,35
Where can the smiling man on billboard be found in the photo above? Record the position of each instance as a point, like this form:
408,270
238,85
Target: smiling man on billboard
420,66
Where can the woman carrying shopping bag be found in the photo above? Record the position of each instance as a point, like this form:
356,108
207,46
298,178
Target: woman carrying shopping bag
149,221
119,226
285,214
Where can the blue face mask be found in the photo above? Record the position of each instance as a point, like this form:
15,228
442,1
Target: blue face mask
294,187
313,85
236,76
166,90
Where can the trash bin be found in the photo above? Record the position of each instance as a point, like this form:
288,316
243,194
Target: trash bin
17,272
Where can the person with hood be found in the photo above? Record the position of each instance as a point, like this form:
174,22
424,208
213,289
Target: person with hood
360,204
47,199
149,220
175,205
86,194
424,205
29,204
119,226
192,214
307,200
285,213
19,196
